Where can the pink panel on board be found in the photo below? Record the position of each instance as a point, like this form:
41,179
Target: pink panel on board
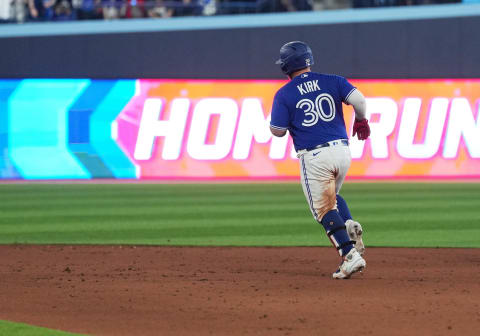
219,129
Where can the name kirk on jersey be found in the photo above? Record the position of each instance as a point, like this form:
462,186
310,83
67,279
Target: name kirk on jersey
309,86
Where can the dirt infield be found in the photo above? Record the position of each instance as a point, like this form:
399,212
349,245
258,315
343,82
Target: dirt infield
114,290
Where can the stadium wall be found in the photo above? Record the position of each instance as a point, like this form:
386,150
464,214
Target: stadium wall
64,112
415,42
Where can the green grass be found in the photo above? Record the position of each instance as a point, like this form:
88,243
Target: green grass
392,214
20,329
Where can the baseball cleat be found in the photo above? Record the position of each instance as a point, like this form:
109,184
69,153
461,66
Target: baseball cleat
355,232
352,263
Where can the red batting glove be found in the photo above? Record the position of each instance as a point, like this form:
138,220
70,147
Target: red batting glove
361,128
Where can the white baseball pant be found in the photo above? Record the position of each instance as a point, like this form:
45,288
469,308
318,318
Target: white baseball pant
322,172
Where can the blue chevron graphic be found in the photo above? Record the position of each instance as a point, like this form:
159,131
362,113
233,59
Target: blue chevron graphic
7,170
79,128
38,131
101,129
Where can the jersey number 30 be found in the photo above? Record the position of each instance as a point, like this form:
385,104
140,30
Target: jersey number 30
314,110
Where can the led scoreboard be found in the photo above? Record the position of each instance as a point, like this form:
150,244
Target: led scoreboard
207,129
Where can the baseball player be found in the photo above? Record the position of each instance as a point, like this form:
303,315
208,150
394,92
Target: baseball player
309,106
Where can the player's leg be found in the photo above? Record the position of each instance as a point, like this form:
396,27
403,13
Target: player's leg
318,182
343,157
319,174
353,261
343,209
354,228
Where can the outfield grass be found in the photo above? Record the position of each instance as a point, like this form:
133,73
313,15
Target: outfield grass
20,329
393,214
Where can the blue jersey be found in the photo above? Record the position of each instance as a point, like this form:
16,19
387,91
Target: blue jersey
310,108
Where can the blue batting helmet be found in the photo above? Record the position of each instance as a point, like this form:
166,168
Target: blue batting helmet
294,56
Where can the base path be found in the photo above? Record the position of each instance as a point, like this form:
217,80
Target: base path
115,290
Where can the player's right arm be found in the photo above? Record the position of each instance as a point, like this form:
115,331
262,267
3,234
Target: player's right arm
280,117
360,125
352,96
357,100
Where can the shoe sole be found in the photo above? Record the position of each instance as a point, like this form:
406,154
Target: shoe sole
356,268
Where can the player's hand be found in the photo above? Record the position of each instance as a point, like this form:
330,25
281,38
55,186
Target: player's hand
361,128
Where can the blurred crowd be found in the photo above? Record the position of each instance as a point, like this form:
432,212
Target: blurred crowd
62,10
